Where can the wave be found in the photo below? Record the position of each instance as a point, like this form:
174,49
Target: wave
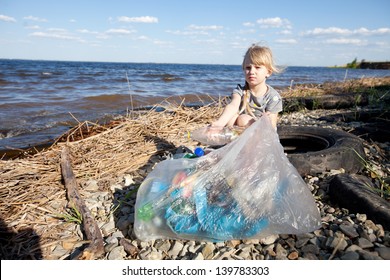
164,77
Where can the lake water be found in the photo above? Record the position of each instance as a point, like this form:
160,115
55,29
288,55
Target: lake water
38,98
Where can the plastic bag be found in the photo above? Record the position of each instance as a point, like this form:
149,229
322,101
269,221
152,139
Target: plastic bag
245,189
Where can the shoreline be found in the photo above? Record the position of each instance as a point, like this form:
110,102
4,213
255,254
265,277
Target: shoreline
350,93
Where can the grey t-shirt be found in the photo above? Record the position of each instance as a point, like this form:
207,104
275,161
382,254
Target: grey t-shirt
271,101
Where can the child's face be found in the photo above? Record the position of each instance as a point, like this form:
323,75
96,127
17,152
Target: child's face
255,74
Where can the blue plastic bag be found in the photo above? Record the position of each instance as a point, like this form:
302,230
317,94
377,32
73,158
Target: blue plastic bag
246,189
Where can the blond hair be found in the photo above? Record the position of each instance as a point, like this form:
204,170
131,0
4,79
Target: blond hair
261,55
258,55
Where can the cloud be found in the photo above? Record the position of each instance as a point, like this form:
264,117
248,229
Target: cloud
248,24
35,19
57,34
286,41
186,33
346,32
120,31
346,41
285,32
205,27
7,18
193,30
145,19
32,27
86,31
275,22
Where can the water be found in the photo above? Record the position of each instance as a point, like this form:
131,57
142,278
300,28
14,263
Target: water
40,100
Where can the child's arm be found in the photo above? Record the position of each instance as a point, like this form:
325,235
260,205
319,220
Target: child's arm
274,119
230,112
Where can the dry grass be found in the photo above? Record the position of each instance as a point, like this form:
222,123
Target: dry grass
31,190
348,86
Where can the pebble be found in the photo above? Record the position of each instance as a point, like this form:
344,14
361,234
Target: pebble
349,230
117,253
384,252
175,249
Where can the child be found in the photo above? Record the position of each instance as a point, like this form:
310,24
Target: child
250,102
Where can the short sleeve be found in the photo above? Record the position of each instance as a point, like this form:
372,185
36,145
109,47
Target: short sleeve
238,90
275,104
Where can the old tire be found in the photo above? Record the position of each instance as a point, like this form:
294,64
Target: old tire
314,150
351,192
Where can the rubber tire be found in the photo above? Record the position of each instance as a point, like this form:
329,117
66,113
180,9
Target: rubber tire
351,192
314,150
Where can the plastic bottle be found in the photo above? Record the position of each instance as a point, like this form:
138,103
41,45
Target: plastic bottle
215,135
198,152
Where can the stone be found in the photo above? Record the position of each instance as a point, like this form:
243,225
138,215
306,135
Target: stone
310,248
117,253
155,255
310,256
199,256
59,252
175,249
91,186
129,247
108,227
339,242
351,255
208,251
270,239
365,255
364,243
293,255
353,248
301,242
361,217
281,253
349,231
233,243
384,252
128,180
162,245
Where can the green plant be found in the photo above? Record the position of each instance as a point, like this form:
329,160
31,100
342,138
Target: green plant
353,64
384,187
72,215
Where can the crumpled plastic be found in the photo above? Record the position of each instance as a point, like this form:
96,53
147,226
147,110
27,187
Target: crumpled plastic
245,189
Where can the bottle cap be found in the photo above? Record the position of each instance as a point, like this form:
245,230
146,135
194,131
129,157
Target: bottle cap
199,151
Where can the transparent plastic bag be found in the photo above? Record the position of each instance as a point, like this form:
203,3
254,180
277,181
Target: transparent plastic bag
245,189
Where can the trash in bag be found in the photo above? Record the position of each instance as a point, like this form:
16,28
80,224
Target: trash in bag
211,135
245,189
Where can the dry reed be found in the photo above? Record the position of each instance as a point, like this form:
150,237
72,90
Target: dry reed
32,193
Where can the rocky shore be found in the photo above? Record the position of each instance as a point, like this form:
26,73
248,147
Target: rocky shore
343,235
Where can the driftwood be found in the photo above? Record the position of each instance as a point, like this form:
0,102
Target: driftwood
95,248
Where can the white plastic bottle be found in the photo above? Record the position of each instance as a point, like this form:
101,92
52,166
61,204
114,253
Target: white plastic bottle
215,135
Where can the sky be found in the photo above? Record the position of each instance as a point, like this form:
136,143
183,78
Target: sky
300,33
